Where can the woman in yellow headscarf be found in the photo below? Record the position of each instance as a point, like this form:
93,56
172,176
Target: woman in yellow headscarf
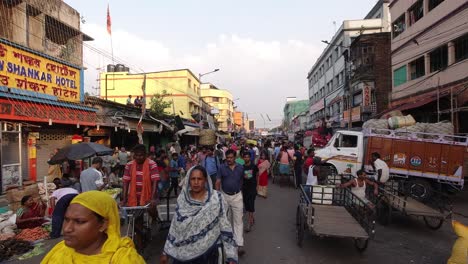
91,232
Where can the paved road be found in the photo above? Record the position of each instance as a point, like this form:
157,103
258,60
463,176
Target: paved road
273,239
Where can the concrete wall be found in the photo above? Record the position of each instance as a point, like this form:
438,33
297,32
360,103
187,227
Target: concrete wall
411,45
26,23
36,32
59,10
19,26
430,18
225,105
122,84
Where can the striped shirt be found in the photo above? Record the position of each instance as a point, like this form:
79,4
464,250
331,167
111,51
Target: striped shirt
154,173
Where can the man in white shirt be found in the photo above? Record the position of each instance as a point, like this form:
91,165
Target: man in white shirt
381,168
172,149
257,153
91,178
59,202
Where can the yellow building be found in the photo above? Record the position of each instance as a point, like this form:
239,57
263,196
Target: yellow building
182,86
221,101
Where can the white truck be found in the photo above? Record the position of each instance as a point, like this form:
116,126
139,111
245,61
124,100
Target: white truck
427,161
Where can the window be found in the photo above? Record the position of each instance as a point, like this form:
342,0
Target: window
417,68
346,141
215,99
439,58
337,55
461,48
434,3
331,85
357,99
399,76
416,12
189,83
399,26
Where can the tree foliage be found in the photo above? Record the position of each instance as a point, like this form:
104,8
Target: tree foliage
158,105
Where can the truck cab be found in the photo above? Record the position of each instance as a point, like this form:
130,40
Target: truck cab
346,151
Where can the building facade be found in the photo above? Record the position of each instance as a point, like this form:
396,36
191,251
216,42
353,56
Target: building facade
41,86
429,60
293,108
182,87
238,120
327,80
371,82
221,103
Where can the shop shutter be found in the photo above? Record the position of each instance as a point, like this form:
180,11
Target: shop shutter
45,146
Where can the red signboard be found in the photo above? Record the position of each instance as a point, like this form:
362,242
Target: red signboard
366,95
34,112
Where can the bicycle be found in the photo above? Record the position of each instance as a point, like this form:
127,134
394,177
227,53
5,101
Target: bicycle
141,236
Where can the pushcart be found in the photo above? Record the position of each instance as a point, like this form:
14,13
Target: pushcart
393,199
139,231
328,211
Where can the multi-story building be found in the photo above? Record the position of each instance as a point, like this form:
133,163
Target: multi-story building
182,87
429,60
41,86
292,108
371,81
328,92
238,120
221,101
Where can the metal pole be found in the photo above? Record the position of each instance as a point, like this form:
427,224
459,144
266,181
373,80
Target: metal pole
451,104
106,86
20,171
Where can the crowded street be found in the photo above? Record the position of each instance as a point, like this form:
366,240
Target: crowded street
231,132
273,239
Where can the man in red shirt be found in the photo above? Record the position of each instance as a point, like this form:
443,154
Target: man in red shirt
140,179
309,161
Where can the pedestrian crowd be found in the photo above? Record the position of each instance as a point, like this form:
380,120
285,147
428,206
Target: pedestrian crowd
215,186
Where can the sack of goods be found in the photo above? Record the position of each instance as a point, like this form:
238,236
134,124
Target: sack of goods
207,137
444,127
418,127
378,126
401,121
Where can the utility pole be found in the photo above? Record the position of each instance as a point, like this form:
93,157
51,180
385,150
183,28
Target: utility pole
348,88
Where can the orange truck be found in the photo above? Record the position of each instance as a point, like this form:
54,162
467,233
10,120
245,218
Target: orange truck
428,161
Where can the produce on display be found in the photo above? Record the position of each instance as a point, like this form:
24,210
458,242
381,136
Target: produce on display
33,234
11,247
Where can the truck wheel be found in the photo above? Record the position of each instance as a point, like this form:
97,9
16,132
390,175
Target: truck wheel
433,223
361,244
421,189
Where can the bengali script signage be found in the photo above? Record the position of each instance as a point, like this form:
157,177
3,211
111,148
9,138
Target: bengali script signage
27,71
355,115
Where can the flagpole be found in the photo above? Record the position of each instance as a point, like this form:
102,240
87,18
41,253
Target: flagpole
109,30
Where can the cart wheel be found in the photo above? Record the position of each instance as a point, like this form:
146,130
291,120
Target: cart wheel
300,228
384,213
420,189
361,244
433,223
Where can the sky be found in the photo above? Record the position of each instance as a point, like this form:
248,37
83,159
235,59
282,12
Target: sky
263,48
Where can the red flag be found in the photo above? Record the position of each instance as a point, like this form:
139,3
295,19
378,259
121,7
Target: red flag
109,23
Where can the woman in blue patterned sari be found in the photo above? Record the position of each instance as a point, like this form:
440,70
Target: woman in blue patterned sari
200,232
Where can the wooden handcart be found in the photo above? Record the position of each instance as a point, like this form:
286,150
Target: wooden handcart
393,199
327,211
